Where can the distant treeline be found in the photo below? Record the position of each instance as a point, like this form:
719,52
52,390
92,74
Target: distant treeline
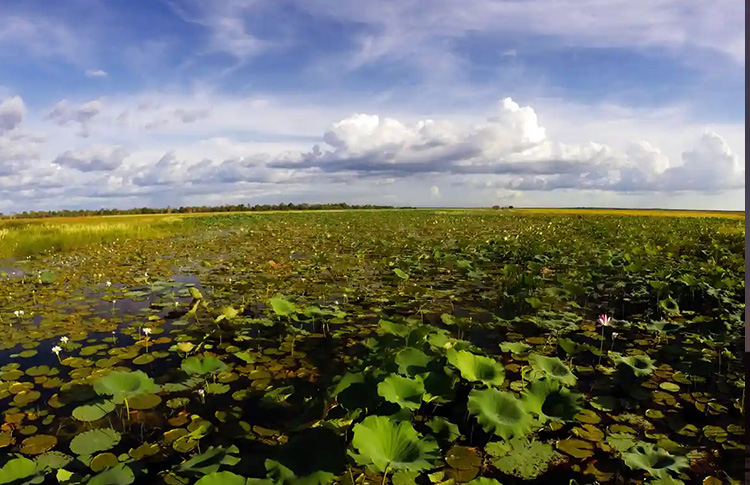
192,210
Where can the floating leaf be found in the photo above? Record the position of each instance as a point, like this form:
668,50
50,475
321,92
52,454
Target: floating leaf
283,307
576,448
523,458
117,475
36,445
93,441
443,429
17,469
515,347
102,461
94,411
53,460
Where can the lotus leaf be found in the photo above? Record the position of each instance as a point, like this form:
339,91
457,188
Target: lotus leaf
284,476
210,460
404,477
641,365
283,307
500,413
657,462
103,461
117,475
550,400
122,385
144,451
223,478
553,367
484,481
404,391
202,365
412,361
144,401
477,368
515,347
386,445
444,430
17,469
523,458
93,441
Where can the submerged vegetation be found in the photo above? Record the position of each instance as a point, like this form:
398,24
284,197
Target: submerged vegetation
428,347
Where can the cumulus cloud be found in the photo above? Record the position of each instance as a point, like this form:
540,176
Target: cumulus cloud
95,73
63,113
95,159
514,148
435,191
12,111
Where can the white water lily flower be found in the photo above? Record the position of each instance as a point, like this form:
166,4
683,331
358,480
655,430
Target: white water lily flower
201,392
18,313
108,283
64,339
56,349
147,330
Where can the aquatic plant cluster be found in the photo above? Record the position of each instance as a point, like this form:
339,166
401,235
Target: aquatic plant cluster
427,347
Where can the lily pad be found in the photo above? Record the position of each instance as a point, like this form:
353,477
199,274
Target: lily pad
523,458
36,445
96,440
477,368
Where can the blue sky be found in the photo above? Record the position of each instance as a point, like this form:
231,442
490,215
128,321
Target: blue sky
534,102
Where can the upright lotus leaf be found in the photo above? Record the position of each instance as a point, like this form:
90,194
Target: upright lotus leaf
553,367
17,469
398,329
551,401
123,384
404,391
523,458
571,347
116,475
515,347
202,365
444,430
500,413
93,441
228,478
386,445
477,368
412,361
657,462
282,475
283,307
210,460
641,365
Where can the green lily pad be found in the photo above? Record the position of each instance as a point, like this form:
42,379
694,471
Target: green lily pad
117,475
53,460
17,469
202,365
523,458
462,458
655,461
94,411
36,445
96,440
576,448
122,385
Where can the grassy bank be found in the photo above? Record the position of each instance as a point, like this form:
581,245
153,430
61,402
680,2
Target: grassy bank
20,239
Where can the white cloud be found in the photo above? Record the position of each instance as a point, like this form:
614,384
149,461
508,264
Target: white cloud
435,191
95,73
12,111
93,159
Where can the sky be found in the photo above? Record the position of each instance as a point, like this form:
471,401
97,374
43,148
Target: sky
602,103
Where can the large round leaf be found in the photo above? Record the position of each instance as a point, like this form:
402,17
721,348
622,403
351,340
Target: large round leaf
522,458
384,444
412,361
200,366
656,461
223,478
17,469
641,365
404,391
500,413
123,384
93,411
117,475
90,442
553,367
550,400
477,368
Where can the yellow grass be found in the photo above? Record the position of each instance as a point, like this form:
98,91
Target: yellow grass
635,212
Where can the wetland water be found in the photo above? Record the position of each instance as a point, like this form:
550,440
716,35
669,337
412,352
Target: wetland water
294,347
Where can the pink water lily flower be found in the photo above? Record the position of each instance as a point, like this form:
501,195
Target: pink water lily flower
604,320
